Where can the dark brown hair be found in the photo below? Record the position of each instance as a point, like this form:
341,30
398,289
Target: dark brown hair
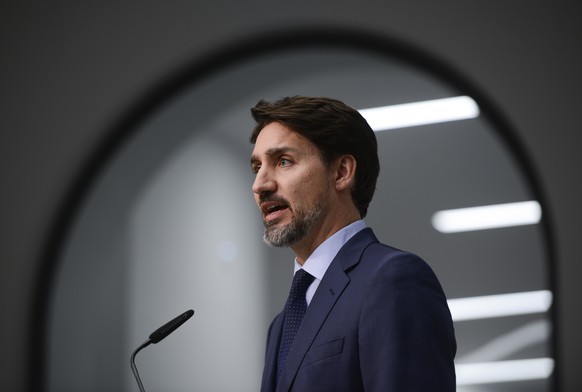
335,129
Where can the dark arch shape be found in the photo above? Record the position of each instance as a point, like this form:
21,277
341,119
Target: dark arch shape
215,62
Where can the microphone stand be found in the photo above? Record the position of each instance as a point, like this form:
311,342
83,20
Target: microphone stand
156,337
134,368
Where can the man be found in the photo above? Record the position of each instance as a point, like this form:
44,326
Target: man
368,317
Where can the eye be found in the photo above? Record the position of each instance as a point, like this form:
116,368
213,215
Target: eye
284,162
255,168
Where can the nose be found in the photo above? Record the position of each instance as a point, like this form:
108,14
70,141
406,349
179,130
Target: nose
263,182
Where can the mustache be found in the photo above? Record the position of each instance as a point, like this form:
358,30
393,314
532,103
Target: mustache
264,197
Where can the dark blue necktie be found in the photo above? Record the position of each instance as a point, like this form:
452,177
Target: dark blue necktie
294,310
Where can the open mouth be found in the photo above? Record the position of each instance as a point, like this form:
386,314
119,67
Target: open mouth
273,209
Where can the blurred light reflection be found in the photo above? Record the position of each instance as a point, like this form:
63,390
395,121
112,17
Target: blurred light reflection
504,371
500,305
420,113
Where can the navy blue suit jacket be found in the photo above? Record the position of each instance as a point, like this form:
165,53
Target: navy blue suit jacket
379,321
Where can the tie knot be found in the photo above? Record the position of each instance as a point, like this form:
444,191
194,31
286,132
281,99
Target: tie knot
301,282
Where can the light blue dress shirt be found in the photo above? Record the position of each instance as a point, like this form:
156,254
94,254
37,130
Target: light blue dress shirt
324,254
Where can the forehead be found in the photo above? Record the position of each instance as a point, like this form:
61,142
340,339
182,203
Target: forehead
277,137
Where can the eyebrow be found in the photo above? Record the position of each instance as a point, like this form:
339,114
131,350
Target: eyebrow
274,151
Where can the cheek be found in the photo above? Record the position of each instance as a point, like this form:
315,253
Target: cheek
310,187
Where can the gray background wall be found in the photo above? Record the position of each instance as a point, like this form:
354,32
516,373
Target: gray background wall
70,73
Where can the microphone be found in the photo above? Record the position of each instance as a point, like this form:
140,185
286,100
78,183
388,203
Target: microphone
170,326
155,337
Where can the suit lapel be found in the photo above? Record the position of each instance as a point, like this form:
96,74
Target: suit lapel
273,340
330,289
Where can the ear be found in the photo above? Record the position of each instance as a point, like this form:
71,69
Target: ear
345,172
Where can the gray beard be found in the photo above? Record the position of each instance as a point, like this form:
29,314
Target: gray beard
302,223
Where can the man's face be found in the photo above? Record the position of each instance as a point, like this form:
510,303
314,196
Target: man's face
291,187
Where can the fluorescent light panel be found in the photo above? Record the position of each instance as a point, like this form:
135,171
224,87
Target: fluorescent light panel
500,305
487,217
504,371
421,113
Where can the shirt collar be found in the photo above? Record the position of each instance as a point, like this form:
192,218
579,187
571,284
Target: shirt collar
318,262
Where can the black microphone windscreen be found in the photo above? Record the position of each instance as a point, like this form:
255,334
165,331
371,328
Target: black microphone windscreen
170,326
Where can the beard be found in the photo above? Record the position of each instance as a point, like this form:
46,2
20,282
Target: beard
304,219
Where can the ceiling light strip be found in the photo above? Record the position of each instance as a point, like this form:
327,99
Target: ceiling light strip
500,305
504,371
487,217
421,113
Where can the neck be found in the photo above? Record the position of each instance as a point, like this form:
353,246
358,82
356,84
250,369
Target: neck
307,245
